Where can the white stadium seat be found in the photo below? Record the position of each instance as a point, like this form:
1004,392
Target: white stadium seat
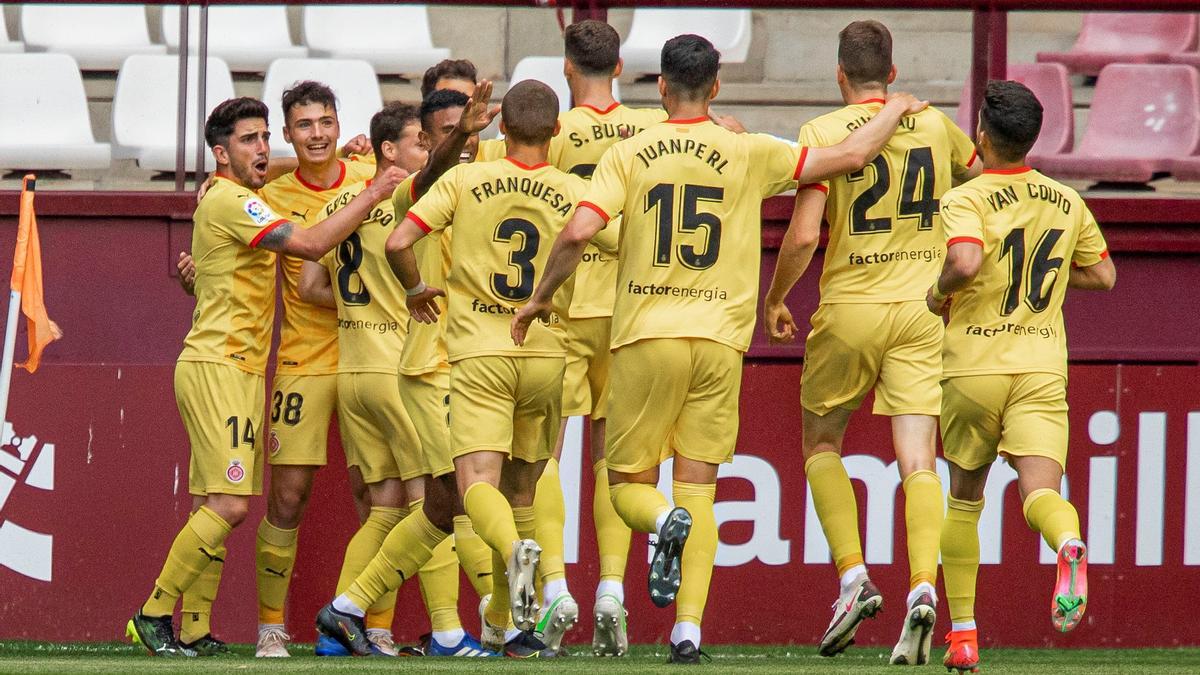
248,38
395,39
44,121
98,36
353,82
728,29
145,109
7,44
545,69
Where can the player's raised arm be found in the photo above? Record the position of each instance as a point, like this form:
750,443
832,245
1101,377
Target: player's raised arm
795,254
315,287
564,258
476,116
863,145
316,241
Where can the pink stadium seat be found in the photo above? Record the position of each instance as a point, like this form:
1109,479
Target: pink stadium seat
1051,84
1142,117
1133,37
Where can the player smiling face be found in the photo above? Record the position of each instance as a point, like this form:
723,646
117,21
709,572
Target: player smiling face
440,113
313,131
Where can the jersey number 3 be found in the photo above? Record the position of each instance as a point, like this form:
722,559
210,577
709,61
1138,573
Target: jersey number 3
521,259
661,198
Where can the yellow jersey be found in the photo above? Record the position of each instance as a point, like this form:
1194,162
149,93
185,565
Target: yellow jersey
308,336
372,315
584,135
505,217
885,234
691,195
1009,319
425,347
235,281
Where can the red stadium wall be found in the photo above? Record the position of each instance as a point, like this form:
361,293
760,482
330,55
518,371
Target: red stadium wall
89,506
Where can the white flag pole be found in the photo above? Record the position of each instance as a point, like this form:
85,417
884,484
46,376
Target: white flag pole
10,344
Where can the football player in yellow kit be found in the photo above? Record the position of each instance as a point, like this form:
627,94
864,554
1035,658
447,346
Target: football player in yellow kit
871,330
378,431
690,194
504,401
1016,240
219,381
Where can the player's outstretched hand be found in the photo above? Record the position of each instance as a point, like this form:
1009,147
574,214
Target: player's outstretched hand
477,116
385,184
911,103
728,122
187,272
359,145
423,306
777,320
208,182
524,317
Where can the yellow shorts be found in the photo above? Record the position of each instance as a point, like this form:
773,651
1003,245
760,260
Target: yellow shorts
506,404
222,411
678,396
585,383
894,348
377,434
427,399
301,409
1021,414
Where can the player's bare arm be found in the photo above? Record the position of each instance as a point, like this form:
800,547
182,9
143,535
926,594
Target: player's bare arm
476,116
795,254
565,256
422,298
963,260
315,286
316,241
187,273
1099,277
861,146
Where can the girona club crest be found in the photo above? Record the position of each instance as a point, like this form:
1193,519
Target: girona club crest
25,461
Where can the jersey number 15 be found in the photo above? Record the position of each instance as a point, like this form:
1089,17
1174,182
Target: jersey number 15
688,220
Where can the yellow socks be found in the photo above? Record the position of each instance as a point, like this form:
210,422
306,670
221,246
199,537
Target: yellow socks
366,542
439,587
923,513
833,497
612,534
197,544
198,600
491,516
1047,512
960,557
639,505
409,546
700,551
550,517
274,556
474,555
498,611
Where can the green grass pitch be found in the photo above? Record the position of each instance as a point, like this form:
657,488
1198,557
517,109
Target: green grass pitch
28,658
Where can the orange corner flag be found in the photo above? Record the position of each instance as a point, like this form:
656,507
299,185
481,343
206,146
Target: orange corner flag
27,279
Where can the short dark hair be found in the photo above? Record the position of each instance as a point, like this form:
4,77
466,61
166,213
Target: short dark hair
221,121
689,66
593,47
1011,117
388,124
455,69
865,52
530,112
306,92
440,100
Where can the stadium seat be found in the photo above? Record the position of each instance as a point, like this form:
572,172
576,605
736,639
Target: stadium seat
44,121
1133,37
247,38
145,109
545,69
1050,82
1142,117
99,37
728,29
353,81
395,39
7,44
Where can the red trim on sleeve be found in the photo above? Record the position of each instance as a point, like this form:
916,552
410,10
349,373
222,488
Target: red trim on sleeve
800,164
265,231
1009,172
317,188
1104,254
694,120
595,208
420,223
602,112
814,186
974,156
964,240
